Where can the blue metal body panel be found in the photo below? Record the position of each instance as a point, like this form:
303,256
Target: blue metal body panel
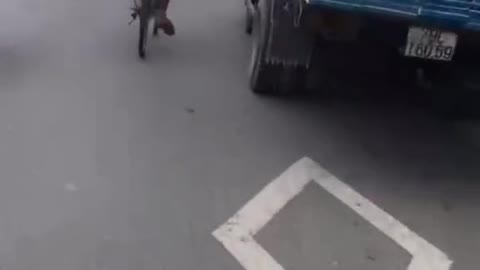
453,14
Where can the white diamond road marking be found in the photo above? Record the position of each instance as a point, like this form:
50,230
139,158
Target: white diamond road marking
237,234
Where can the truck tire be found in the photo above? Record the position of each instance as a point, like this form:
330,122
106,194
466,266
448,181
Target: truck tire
267,76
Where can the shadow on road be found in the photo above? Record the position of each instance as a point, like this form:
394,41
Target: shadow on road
415,161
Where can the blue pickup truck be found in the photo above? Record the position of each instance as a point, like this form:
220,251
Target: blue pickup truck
438,36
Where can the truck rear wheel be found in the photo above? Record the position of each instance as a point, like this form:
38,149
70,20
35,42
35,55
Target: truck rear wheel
266,76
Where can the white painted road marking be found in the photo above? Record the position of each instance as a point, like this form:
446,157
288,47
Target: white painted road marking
237,234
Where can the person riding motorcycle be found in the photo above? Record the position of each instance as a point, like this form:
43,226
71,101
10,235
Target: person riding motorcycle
161,19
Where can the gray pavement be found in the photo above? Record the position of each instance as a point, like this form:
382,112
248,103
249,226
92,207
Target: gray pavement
107,162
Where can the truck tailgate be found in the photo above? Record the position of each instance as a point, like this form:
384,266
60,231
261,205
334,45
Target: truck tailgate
457,14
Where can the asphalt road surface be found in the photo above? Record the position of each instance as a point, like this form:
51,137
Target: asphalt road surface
111,163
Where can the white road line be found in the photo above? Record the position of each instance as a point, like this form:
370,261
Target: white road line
237,234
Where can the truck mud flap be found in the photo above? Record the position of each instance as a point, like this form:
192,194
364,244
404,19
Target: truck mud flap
289,44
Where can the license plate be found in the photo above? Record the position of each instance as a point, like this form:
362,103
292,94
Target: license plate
430,44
